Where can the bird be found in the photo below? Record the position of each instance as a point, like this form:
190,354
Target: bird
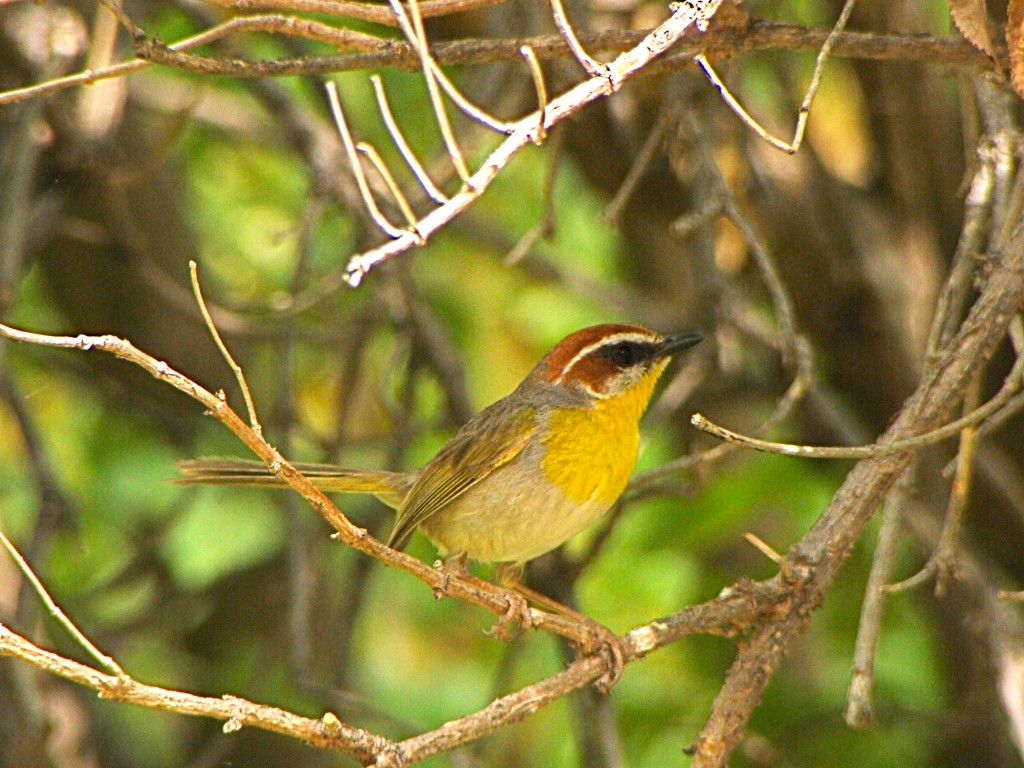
527,472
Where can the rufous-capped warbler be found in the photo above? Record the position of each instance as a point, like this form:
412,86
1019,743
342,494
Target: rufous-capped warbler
524,474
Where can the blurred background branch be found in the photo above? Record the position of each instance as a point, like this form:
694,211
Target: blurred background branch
829,284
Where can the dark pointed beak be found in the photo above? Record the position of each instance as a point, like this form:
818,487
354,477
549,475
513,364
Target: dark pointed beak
676,343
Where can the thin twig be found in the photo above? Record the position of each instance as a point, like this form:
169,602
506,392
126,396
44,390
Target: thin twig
1011,386
763,547
859,710
542,92
389,181
470,109
790,147
952,526
236,369
404,149
56,611
357,167
418,39
592,66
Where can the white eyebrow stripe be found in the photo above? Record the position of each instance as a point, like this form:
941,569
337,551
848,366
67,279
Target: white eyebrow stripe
607,341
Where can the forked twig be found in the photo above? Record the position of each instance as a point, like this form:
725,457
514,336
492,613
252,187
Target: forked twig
56,611
790,147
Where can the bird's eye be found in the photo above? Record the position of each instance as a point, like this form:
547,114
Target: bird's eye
624,355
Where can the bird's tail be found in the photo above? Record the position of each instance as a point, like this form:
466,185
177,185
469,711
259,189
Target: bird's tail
389,487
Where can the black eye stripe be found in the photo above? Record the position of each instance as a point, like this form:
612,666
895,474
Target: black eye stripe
624,354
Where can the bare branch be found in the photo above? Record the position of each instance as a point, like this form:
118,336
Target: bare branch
758,36
624,67
816,560
327,732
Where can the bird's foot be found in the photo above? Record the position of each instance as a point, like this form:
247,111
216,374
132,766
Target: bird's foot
604,642
515,620
440,589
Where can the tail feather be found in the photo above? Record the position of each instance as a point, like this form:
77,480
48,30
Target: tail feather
389,487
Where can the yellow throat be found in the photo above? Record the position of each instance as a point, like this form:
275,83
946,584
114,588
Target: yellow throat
591,452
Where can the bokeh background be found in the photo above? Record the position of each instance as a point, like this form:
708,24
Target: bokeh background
110,190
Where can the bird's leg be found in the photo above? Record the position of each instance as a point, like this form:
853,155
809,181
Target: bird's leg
517,615
599,639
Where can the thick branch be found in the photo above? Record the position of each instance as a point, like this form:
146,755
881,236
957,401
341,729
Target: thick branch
816,560
736,608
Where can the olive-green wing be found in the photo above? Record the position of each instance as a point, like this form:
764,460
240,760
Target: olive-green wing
489,440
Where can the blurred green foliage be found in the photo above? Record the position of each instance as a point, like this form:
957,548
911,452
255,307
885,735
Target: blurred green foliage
151,570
